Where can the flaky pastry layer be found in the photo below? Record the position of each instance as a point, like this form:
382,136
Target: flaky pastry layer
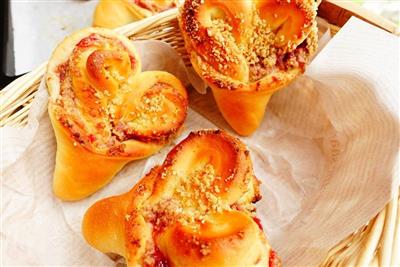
196,209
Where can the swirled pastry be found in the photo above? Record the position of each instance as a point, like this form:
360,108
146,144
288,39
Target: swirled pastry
246,50
115,13
196,209
106,112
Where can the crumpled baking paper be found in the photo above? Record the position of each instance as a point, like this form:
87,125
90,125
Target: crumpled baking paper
326,153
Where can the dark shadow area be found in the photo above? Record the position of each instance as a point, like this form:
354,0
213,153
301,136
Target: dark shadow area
4,15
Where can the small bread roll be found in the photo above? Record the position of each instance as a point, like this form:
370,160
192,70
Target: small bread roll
115,13
105,112
247,50
196,209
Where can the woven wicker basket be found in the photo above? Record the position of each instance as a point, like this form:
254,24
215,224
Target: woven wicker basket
375,244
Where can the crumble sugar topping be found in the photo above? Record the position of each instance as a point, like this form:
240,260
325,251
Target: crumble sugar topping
260,51
199,193
165,212
221,32
194,198
149,110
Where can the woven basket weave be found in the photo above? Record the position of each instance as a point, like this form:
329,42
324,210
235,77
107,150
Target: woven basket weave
375,244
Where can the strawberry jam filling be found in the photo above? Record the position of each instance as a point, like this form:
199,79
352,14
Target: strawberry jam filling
258,222
159,259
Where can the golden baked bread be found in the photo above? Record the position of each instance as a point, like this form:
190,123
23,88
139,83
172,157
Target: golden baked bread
106,112
246,50
196,209
115,13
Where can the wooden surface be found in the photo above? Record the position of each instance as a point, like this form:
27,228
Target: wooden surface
338,12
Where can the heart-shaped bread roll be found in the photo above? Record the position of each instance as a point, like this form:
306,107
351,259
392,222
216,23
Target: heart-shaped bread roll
246,50
106,112
115,13
196,209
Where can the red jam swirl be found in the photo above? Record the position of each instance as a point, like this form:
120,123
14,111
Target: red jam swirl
273,259
159,259
88,41
258,222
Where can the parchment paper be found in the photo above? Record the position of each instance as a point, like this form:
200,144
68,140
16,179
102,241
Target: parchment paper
326,153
